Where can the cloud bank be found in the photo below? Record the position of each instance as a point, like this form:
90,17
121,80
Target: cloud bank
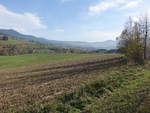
24,23
109,4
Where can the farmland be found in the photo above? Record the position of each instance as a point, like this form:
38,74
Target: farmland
33,84
115,91
73,83
35,59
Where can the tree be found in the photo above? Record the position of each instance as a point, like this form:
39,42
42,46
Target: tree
145,28
126,36
130,42
135,47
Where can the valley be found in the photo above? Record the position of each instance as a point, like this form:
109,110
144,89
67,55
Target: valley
37,77
74,56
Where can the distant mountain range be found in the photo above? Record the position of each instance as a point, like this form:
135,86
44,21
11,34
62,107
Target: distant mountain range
109,44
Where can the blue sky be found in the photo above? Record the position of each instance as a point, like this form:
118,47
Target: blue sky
70,20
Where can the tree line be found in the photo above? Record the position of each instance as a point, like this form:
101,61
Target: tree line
134,40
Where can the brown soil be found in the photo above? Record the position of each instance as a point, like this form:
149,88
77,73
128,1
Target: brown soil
21,87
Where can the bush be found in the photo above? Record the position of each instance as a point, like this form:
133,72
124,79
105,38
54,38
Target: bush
135,52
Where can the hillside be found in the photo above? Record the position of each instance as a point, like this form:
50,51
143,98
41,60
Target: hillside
17,46
109,44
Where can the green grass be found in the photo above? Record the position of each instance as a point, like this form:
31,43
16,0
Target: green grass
33,59
13,41
17,41
119,91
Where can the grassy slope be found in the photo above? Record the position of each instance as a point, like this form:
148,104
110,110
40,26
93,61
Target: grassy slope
17,41
13,41
33,59
21,46
125,90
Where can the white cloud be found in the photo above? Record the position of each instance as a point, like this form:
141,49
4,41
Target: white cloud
24,23
102,6
132,4
109,4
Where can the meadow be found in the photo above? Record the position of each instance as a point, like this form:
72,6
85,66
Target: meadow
35,59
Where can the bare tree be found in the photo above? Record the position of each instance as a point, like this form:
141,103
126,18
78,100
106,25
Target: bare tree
130,41
145,29
125,36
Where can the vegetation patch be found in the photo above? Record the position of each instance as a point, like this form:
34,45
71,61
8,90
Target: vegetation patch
119,91
33,59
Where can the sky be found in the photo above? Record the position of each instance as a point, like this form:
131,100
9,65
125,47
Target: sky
70,20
